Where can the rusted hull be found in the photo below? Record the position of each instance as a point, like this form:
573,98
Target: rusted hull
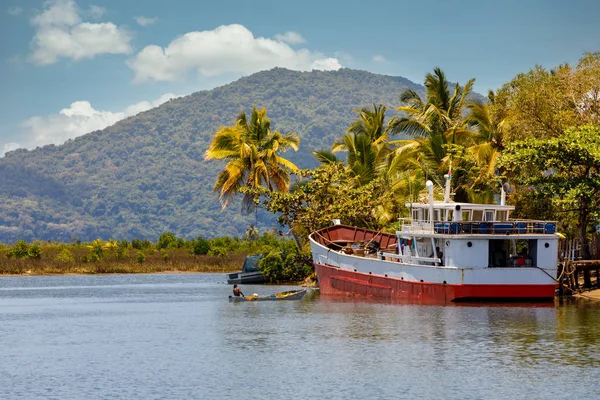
336,281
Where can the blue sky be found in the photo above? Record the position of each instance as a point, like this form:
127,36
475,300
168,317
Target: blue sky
69,67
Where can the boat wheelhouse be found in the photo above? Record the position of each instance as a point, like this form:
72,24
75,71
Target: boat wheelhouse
446,251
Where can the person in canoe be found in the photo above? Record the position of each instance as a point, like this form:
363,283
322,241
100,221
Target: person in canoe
237,291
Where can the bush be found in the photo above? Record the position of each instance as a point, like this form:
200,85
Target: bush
167,240
218,251
65,255
19,250
35,251
140,244
121,252
200,246
272,266
282,262
140,257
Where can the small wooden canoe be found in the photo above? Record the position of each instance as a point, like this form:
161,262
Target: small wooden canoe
289,295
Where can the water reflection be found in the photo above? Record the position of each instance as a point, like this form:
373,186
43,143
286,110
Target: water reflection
177,336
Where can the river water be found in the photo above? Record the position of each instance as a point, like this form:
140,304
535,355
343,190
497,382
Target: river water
177,337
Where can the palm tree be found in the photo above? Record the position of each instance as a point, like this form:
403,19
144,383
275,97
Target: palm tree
252,151
366,143
491,128
437,127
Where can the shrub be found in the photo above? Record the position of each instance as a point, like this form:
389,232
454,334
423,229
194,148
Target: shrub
19,250
65,255
201,246
121,252
96,250
140,257
217,251
34,251
167,240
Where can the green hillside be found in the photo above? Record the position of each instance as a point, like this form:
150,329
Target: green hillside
146,174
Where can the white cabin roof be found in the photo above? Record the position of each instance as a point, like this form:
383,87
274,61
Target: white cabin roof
440,205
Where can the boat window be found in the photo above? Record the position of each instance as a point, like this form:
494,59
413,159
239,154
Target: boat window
489,215
415,214
501,215
466,215
450,214
477,215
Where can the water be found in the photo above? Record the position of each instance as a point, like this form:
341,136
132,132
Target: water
177,337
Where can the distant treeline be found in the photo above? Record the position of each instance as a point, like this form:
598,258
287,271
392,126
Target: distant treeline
169,253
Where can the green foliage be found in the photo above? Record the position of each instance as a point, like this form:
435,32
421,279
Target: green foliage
96,250
121,252
200,246
140,257
34,251
141,244
65,256
566,169
252,233
165,255
545,103
19,250
329,192
167,241
217,251
253,151
282,262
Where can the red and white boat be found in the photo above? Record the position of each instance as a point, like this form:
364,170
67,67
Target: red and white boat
446,252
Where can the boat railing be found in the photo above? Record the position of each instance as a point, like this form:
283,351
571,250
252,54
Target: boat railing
407,258
514,227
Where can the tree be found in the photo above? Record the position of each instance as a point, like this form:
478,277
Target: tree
252,150
566,169
490,125
329,192
366,144
544,103
166,240
436,126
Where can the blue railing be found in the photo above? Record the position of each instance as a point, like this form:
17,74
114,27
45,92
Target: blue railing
496,227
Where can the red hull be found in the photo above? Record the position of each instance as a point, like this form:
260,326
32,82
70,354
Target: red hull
335,281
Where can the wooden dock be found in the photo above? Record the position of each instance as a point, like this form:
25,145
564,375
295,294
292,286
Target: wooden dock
578,276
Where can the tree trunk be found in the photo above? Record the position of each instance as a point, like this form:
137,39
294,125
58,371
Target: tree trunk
584,217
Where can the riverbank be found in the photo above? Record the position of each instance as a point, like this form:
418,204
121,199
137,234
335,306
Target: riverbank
175,261
592,294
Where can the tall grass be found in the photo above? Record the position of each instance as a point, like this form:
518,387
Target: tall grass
176,260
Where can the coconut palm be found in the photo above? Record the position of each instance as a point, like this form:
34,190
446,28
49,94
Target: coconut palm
491,128
366,143
436,127
252,150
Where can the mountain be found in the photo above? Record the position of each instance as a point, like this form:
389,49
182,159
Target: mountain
146,174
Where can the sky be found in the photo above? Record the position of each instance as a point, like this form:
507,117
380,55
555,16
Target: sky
69,67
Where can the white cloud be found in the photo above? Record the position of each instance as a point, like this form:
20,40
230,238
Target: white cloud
379,58
78,119
227,49
290,37
145,21
96,12
61,33
14,11
10,147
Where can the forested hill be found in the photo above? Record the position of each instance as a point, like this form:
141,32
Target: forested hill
146,174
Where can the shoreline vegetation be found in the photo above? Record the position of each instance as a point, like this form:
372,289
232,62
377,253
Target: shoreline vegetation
169,255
